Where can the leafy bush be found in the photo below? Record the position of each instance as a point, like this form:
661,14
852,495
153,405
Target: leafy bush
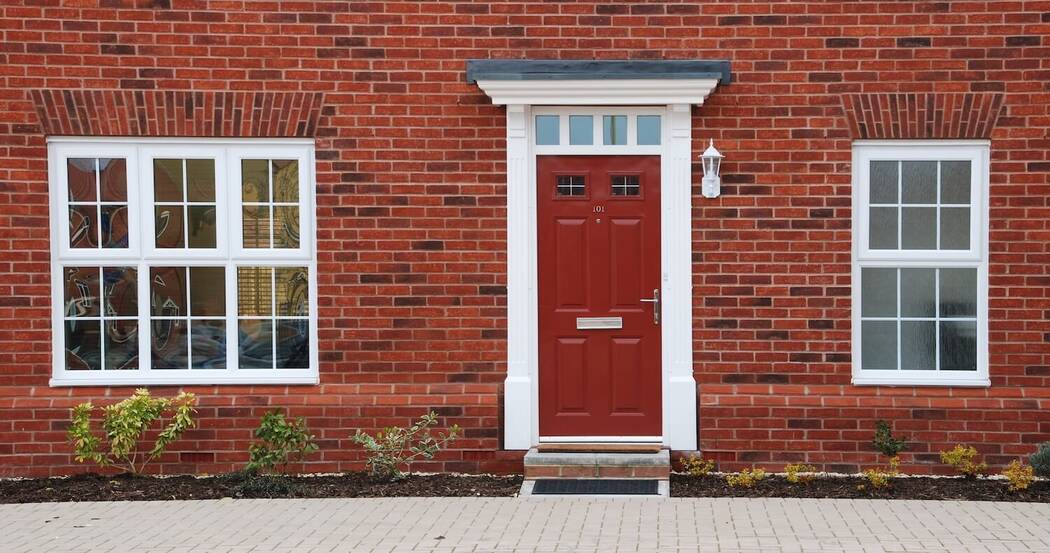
1040,460
1019,475
281,439
396,446
879,478
694,465
885,442
746,478
800,473
964,460
125,423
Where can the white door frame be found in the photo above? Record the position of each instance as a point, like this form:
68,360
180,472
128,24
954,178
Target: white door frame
673,100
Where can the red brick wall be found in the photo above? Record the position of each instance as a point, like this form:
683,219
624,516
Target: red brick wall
411,208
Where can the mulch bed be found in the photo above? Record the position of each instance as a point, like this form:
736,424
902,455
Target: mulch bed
93,487
848,488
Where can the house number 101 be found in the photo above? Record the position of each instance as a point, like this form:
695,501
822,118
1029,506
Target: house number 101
599,208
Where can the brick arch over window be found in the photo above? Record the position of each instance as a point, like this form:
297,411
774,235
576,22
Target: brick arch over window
922,115
177,113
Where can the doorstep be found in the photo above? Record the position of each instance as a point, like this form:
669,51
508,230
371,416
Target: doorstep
653,465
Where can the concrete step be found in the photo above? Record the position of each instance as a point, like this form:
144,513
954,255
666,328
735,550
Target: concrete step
559,464
598,448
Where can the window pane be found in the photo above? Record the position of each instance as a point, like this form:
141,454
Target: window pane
255,184
254,291
614,129
883,178
255,226
114,226
122,345
958,292
200,180
255,339
167,180
83,345
286,180
80,179
83,226
168,226
955,228
285,226
168,344
113,181
918,345
581,130
918,228
918,293
293,345
293,291
955,182
81,292
207,291
625,185
958,345
121,288
878,345
547,130
168,292
882,228
919,182
202,226
208,344
648,130
878,292
571,185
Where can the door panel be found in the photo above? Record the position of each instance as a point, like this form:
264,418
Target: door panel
598,223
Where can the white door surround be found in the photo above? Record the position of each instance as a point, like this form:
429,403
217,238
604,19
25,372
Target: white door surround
665,88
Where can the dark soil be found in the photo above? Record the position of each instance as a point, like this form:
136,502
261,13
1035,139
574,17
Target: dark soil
92,487
849,488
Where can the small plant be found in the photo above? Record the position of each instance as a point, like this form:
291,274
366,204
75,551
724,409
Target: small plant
281,440
694,465
125,423
396,446
746,478
885,442
800,473
1040,460
1019,475
964,460
879,478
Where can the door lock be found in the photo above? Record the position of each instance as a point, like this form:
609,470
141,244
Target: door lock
655,300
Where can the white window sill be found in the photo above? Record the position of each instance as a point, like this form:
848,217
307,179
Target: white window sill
94,379
972,382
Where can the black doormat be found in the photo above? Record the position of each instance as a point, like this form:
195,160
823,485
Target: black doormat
557,486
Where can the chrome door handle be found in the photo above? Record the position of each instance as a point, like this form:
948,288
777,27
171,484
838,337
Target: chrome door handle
655,300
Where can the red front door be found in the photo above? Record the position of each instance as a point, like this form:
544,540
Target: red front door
599,258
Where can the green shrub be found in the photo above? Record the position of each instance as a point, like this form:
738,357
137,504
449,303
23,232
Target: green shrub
964,460
396,446
694,465
800,473
879,478
1040,460
125,423
280,440
885,442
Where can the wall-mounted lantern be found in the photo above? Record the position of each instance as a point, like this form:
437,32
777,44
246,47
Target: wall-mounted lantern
712,183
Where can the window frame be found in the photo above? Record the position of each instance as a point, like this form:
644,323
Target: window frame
142,253
975,151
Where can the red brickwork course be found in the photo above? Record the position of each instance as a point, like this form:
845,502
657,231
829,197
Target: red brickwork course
411,204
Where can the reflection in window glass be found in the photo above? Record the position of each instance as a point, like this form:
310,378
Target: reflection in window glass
270,203
614,130
648,130
581,130
97,190
100,318
571,185
185,303
273,317
185,209
625,185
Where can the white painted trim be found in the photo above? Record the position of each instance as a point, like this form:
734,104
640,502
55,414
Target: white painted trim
521,389
139,152
977,151
598,92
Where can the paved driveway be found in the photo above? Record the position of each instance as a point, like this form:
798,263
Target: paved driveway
535,524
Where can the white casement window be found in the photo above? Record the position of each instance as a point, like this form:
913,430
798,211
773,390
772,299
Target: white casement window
920,269
183,261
